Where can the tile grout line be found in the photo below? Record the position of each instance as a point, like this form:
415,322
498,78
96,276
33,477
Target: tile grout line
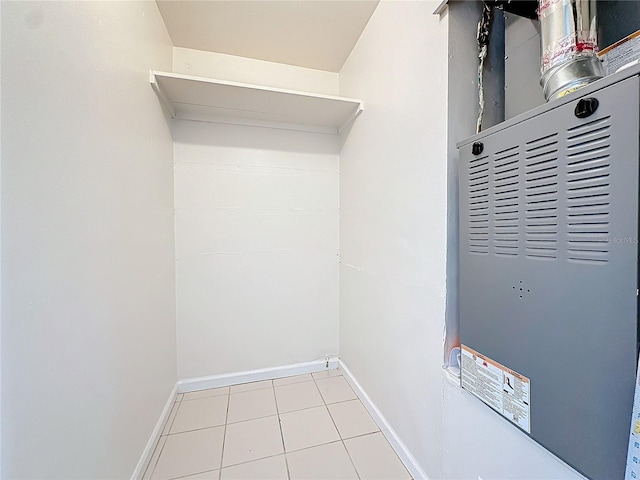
299,409
239,421
340,401
182,397
205,396
293,383
195,429
349,455
306,448
169,433
251,389
284,450
250,461
314,446
176,400
253,401
228,388
251,419
155,447
340,435
235,422
387,443
365,434
191,475
189,431
224,434
151,472
172,417
305,408
320,392
326,376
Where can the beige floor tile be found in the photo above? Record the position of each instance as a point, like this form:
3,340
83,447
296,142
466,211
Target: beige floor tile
200,413
172,416
307,428
210,392
245,387
189,453
327,373
335,389
295,379
298,396
325,462
252,440
375,459
251,404
352,419
154,458
272,468
211,475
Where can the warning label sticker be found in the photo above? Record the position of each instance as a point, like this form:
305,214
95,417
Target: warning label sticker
621,53
504,390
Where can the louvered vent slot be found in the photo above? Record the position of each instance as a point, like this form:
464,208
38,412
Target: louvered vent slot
588,192
479,205
541,197
506,186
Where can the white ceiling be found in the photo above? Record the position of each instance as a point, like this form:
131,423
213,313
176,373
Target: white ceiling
316,34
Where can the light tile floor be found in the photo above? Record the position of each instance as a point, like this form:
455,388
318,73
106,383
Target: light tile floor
305,427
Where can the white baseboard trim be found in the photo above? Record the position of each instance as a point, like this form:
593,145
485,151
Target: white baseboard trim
224,380
215,381
401,449
147,453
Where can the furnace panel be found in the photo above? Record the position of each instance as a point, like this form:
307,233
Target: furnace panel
548,268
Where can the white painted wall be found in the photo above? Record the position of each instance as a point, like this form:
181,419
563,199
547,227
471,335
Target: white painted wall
393,238
256,242
478,443
393,221
258,72
522,89
88,311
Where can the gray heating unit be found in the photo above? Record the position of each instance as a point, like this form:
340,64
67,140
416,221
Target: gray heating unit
549,271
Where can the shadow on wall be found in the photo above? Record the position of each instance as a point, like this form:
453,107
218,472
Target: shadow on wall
462,111
254,138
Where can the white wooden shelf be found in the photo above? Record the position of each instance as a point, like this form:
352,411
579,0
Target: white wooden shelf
205,99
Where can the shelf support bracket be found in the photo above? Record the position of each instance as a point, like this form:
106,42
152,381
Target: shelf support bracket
356,114
163,98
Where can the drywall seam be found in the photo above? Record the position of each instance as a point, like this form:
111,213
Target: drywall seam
348,265
145,458
224,380
398,445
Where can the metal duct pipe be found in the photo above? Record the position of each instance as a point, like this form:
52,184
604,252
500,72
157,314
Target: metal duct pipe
569,46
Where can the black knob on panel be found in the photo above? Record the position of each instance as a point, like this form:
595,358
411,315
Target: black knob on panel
586,107
477,148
